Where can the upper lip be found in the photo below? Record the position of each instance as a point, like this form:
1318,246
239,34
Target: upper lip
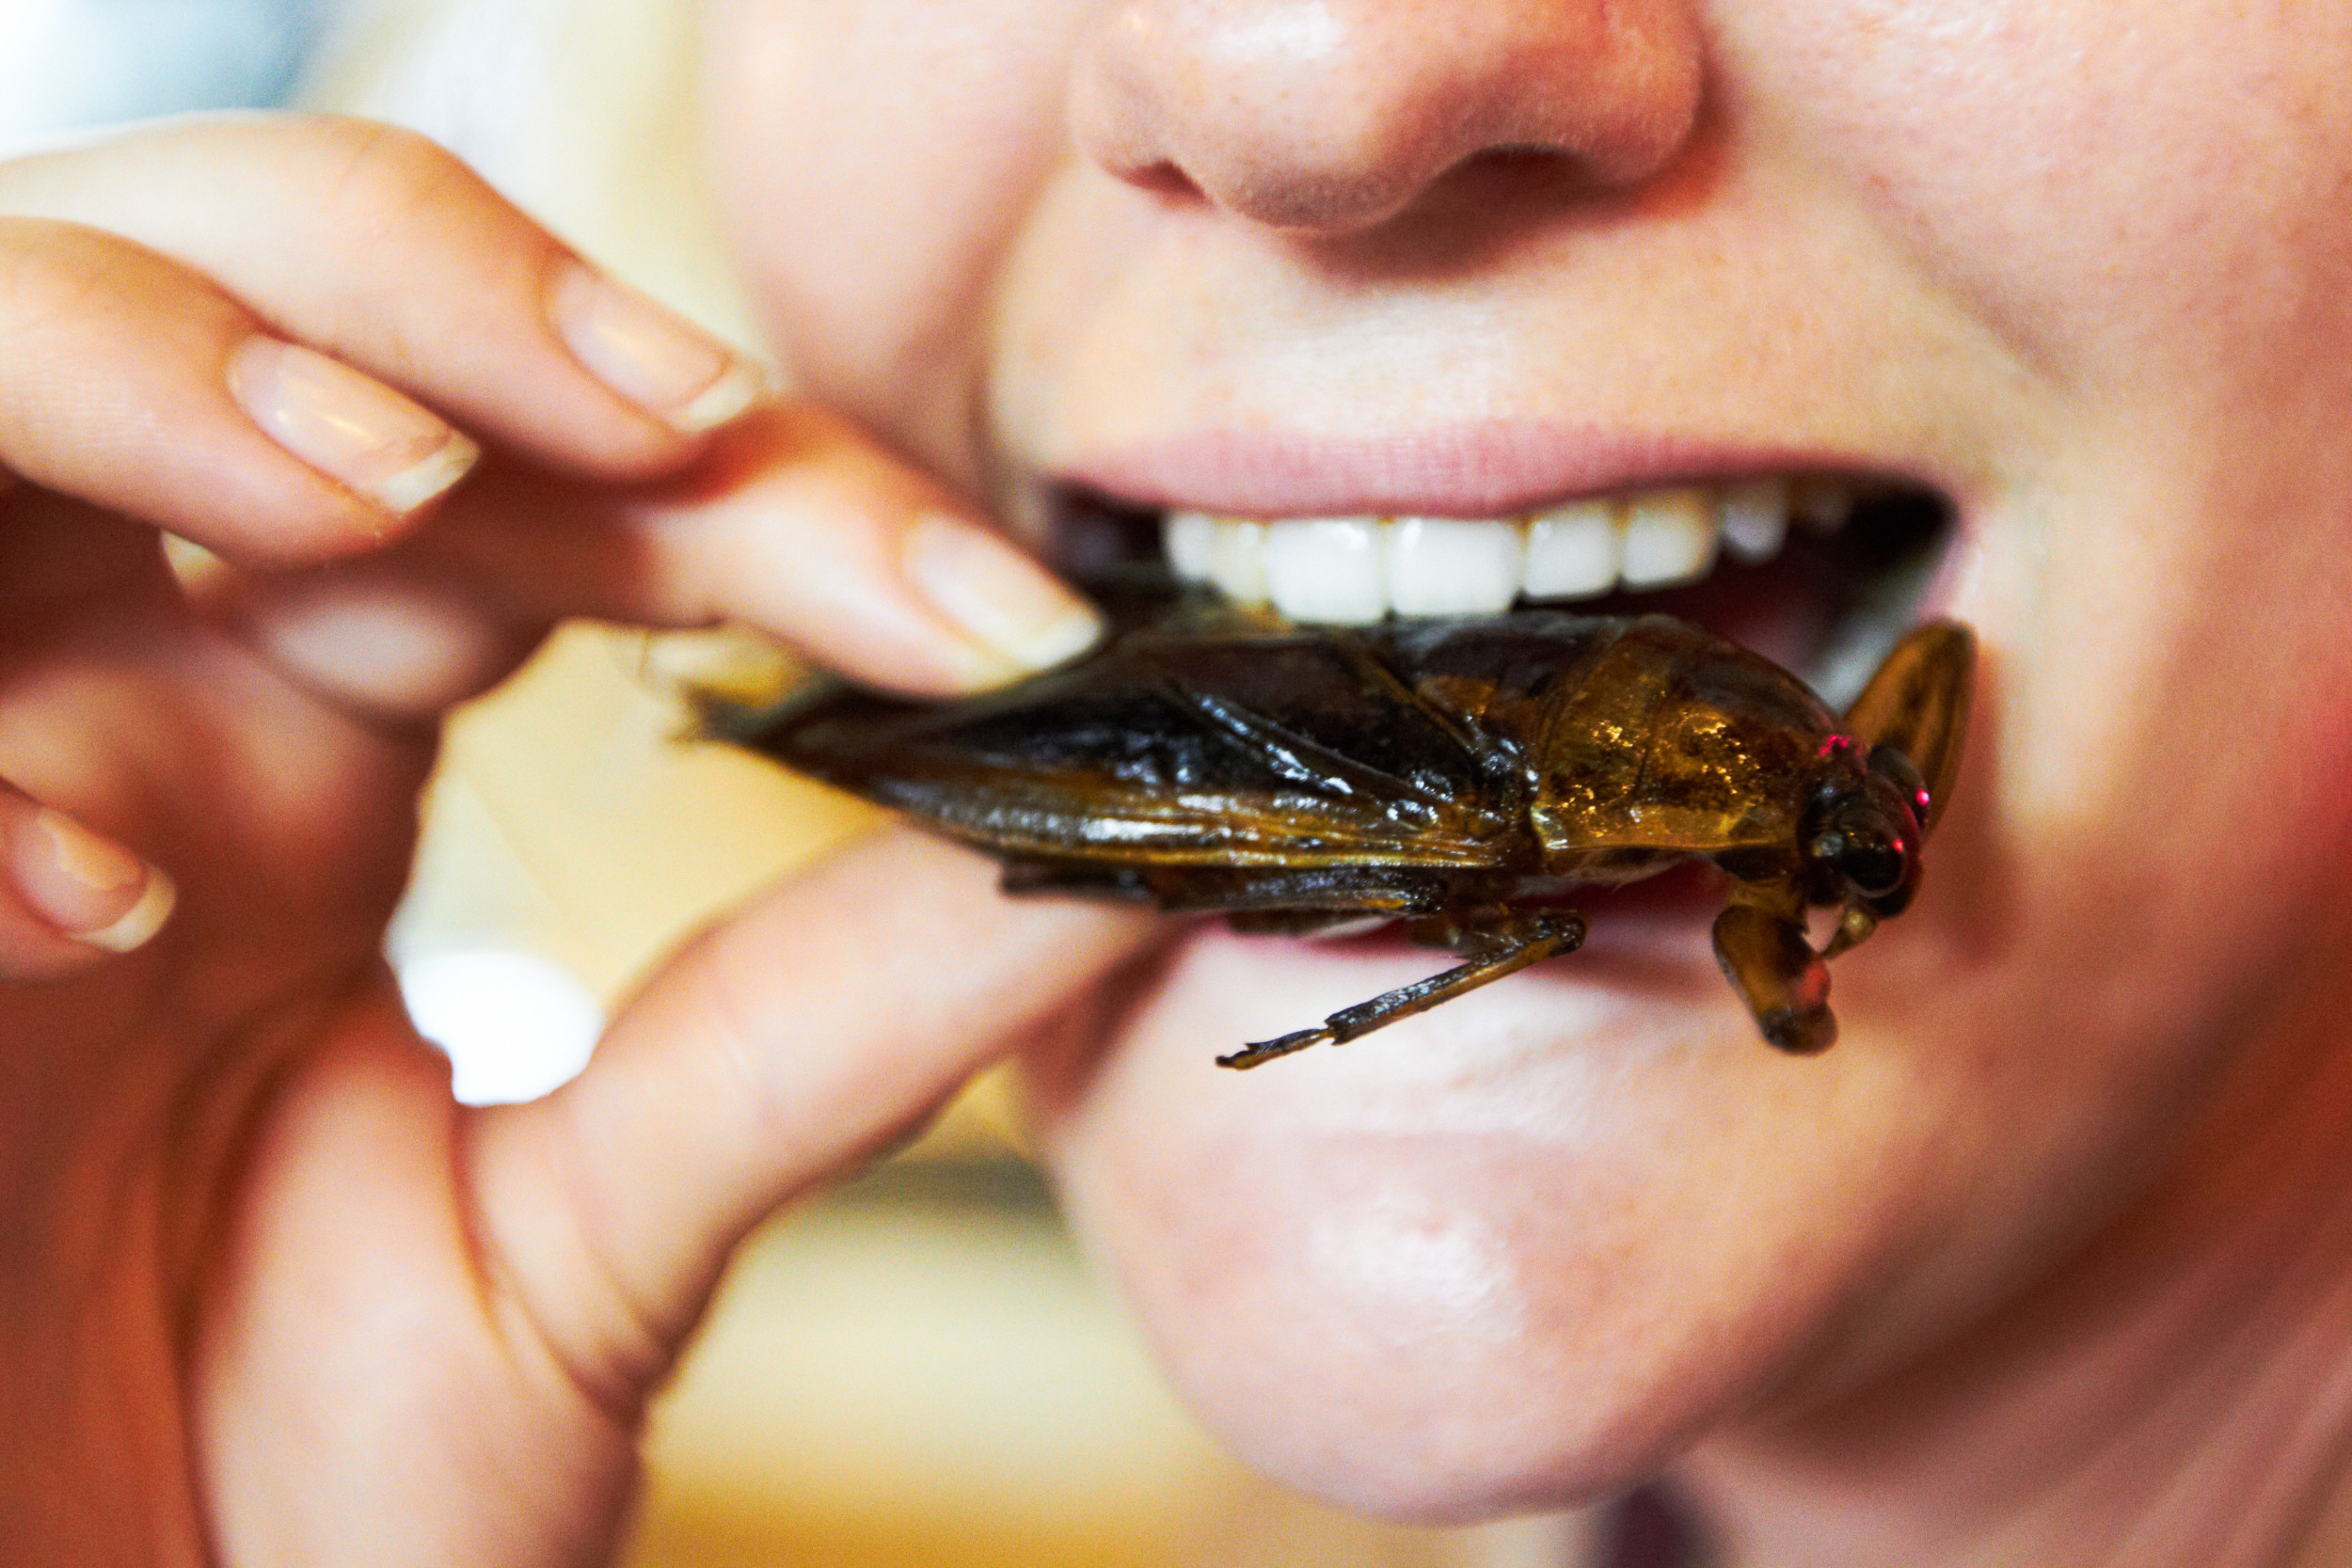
1489,470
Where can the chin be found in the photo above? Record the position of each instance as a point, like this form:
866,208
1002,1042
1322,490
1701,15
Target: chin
1517,1252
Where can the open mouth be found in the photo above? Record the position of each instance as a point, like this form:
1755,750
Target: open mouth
1822,573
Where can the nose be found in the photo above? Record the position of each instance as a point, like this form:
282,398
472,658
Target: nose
1335,115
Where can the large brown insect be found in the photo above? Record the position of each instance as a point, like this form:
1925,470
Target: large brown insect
1459,776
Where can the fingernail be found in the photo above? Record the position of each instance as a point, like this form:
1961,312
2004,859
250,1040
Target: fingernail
1021,617
90,889
348,425
651,355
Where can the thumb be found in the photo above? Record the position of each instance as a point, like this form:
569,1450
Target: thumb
778,1050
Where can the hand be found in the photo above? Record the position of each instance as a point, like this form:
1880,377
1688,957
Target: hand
270,1295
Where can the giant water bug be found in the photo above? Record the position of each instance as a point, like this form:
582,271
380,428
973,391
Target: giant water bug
1462,777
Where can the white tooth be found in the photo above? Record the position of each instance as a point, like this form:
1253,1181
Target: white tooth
1573,551
1821,504
1237,562
1755,520
1331,569
1188,540
1453,566
1669,538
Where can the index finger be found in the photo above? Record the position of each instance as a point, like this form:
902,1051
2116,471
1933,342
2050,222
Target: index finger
795,524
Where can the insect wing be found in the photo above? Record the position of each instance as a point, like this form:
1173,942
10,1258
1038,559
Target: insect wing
1168,751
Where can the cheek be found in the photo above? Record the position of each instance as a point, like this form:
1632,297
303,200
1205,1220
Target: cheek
872,160
2136,193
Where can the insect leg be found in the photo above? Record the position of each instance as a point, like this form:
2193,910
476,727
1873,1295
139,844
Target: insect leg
1355,890
1542,936
1776,971
1302,923
1854,925
1472,931
1078,878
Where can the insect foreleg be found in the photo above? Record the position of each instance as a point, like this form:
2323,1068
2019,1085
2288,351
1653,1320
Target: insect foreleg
1854,926
1540,937
1776,971
1918,702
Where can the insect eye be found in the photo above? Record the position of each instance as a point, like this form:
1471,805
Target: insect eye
1863,851
1874,867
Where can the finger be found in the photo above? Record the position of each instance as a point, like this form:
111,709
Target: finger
394,643
135,385
375,245
69,898
776,1051
384,251
794,523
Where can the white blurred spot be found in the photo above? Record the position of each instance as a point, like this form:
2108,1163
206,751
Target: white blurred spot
514,1024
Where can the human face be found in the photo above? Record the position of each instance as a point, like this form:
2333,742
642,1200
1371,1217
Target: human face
2084,268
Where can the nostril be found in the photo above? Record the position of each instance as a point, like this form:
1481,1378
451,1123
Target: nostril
1160,179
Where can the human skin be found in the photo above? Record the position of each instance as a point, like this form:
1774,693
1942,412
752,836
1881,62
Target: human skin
267,1294
2047,1256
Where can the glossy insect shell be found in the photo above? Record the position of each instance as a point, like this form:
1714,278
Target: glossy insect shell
1665,740
1537,745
